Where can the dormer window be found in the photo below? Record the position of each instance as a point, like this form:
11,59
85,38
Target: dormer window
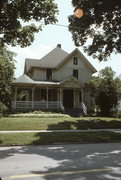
49,74
75,60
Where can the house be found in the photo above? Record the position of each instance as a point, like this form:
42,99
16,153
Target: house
57,81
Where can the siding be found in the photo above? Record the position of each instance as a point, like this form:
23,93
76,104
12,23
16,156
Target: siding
65,71
39,74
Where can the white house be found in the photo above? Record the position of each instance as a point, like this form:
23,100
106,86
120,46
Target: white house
57,81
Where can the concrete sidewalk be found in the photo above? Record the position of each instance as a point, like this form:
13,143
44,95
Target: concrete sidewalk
37,131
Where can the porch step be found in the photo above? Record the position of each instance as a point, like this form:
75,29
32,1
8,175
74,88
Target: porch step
74,112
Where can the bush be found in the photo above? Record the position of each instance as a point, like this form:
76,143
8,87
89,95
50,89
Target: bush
3,109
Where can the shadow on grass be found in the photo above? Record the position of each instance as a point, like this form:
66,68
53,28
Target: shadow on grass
76,137
86,124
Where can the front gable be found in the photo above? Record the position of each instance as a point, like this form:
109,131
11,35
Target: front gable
68,68
83,63
71,82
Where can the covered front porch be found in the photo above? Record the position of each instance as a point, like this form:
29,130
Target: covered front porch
59,96
46,98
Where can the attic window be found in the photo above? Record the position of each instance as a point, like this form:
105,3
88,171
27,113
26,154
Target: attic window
75,60
49,74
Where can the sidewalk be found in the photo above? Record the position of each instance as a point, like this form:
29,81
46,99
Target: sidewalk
40,131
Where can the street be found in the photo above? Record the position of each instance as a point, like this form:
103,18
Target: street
61,162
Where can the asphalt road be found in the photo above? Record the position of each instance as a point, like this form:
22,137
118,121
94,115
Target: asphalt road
61,162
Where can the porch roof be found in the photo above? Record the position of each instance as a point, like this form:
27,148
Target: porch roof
26,80
23,79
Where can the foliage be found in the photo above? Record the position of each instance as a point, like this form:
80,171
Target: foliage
15,17
6,75
3,109
101,23
106,89
39,115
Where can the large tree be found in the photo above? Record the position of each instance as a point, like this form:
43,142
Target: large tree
15,17
6,76
106,89
101,24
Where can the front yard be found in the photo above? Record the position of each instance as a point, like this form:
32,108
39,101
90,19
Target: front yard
58,137
19,122
58,123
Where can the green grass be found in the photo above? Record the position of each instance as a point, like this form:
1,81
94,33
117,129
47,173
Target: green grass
58,137
33,123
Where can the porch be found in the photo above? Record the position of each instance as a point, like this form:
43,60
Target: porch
46,98
47,95
37,105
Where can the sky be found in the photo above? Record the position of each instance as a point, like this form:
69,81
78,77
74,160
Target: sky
51,35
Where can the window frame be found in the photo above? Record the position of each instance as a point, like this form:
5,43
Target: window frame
49,74
75,60
76,73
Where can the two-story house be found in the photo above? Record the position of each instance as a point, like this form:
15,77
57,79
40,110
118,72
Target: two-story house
57,81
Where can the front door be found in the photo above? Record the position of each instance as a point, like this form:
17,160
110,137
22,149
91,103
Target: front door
68,98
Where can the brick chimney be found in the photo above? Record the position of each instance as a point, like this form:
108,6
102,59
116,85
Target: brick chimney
59,46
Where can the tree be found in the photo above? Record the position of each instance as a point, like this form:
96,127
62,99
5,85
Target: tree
101,23
6,75
15,14
106,89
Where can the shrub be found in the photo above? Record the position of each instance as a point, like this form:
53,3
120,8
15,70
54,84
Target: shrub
3,109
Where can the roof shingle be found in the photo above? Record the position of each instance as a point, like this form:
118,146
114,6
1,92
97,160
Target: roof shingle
51,60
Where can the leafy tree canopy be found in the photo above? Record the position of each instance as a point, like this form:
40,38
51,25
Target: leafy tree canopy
102,23
106,89
6,75
14,12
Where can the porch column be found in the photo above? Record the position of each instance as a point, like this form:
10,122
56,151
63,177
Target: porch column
60,95
76,103
82,95
74,98
15,97
32,97
47,97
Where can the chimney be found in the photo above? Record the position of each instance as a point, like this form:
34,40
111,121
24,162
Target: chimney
59,46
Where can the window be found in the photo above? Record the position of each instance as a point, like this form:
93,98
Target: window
75,73
49,74
75,60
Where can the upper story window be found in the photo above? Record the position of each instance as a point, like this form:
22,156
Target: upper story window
75,73
49,74
75,60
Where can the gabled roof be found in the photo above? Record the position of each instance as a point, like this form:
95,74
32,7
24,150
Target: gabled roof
71,79
23,79
84,59
55,59
51,60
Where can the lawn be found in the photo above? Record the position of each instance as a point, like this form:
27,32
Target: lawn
58,123
58,137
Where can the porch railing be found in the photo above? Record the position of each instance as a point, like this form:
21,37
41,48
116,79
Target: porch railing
83,107
44,105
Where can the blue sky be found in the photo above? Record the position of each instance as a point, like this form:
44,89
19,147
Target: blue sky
51,35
